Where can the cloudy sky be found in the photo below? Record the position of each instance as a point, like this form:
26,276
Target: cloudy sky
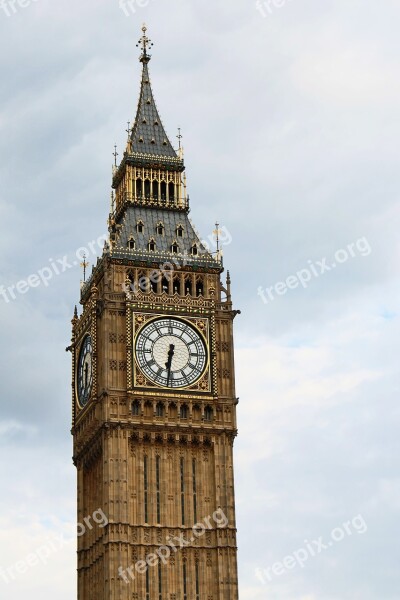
290,117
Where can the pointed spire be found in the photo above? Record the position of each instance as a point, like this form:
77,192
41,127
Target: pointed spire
148,135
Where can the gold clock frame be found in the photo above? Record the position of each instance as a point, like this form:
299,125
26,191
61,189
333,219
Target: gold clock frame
199,324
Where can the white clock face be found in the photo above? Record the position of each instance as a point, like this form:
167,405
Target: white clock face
171,353
85,371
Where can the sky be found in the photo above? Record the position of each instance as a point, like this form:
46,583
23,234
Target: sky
290,123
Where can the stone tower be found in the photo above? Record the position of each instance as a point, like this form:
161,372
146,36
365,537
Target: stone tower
154,405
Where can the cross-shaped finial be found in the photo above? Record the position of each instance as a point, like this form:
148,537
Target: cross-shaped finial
84,264
115,154
144,42
128,131
179,136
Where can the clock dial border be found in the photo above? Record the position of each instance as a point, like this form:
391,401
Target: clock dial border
81,405
141,380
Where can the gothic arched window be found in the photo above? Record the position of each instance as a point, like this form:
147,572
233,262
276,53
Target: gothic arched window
152,245
136,408
163,189
160,410
147,188
171,190
155,190
139,188
199,288
184,411
140,226
208,413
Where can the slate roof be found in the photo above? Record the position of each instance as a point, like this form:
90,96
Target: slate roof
148,135
171,220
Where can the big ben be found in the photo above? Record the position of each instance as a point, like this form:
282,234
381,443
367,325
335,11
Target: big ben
153,386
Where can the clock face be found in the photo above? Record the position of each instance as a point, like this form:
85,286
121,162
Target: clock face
171,353
85,371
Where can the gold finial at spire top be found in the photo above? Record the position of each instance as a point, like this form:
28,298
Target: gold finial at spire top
145,44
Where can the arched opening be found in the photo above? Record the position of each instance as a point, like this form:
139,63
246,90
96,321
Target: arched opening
184,411
177,285
163,190
188,286
153,285
174,248
199,288
136,408
165,285
179,231
155,190
194,250
208,413
139,188
140,227
131,243
152,245
147,187
160,229
160,409
171,191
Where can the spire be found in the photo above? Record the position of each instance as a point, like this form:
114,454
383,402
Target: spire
148,135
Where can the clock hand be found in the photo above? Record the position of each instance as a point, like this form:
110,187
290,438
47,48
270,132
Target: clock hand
168,364
86,375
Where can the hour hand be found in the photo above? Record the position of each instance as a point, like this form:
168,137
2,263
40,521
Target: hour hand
168,364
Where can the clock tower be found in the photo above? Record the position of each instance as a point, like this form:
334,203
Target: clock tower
154,404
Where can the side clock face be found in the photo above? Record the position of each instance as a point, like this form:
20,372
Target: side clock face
85,371
171,353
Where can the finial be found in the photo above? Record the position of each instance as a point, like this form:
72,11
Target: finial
115,154
145,44
112,202
76,312
179,136
128,131
216,233
84,264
